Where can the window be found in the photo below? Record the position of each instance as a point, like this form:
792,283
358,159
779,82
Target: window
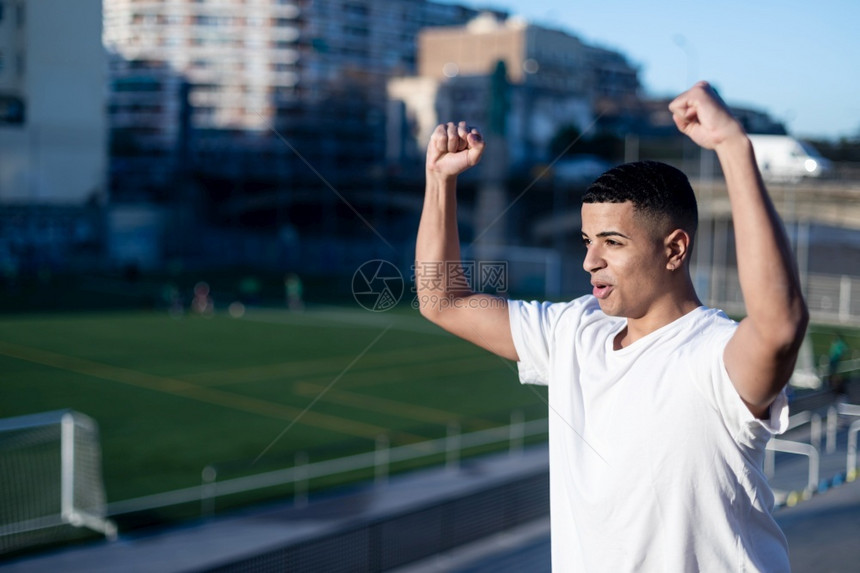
1,11
356,9
11,110
356,31
206,20
133,84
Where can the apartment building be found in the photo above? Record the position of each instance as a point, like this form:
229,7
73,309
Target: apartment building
52,103
243,87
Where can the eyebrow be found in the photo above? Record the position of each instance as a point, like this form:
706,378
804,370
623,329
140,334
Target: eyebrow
604,234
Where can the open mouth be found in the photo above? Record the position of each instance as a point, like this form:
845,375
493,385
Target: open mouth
601,290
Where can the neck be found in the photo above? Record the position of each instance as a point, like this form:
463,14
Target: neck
676,303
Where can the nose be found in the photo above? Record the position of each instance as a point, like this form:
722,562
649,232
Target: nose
593,260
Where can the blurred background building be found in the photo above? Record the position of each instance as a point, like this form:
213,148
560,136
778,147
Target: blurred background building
253,115
289,134
554,81
254,109
53,136
52,85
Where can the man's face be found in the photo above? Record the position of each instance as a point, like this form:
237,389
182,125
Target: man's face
625,258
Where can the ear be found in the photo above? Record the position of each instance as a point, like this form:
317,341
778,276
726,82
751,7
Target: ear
677,248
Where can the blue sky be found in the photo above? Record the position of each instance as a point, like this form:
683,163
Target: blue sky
797,60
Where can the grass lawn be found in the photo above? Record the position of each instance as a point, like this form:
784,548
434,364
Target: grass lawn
172,395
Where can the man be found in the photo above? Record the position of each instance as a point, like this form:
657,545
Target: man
660,408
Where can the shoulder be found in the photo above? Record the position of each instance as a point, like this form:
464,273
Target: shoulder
539,328
714,325
551,314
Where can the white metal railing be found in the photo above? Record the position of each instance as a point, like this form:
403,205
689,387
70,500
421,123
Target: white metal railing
851,458
793,447
802,449
813,450
380,460
451,447
831,299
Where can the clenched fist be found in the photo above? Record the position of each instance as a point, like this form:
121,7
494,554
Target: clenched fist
702,115
453,148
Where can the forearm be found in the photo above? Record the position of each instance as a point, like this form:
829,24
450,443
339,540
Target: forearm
438,246
766,266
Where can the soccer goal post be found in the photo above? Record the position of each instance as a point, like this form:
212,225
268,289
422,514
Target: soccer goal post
50,479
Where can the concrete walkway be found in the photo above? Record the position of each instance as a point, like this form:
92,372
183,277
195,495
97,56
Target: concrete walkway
824,532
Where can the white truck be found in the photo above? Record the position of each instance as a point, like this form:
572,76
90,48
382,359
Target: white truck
784,158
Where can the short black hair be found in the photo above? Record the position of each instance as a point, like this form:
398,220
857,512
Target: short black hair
657,190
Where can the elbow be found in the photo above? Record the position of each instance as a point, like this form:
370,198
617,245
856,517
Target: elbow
428,312
433,305
800,320
804,318
782,330
430,308
788,334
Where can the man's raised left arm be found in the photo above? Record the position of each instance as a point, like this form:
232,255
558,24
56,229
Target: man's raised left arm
760,356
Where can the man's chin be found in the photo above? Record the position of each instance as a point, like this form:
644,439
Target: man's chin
607,307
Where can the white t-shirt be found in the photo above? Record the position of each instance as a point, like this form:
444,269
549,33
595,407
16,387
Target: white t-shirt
655,462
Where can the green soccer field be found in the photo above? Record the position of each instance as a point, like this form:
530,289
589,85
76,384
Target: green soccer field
246,395
172,395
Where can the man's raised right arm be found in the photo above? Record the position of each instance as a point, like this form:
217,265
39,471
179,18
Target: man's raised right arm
479,318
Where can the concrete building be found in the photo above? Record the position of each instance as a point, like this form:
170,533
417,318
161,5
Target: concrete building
236,54
216,65
554,81
53,133
261,76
